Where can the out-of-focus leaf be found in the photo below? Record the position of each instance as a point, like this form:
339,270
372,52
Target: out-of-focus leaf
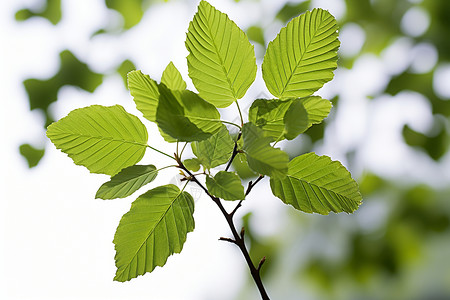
31,154
291,10
436,145
131,11
421,83
42,93
103,139
125,67
255,33
51,12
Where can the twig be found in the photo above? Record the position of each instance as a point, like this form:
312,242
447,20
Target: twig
235,152
238,238
252,184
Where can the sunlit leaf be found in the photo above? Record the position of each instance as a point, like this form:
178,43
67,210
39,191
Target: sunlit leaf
317,109
155,227
185,116
225,185
221,60
145,93
301,59
171,77
214,151
127,181
317,184
262,157
103,139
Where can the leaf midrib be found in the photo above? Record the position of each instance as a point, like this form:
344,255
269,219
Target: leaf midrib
299,61
321,187
106,138
222,63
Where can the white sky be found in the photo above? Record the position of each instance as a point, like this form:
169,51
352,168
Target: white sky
56,240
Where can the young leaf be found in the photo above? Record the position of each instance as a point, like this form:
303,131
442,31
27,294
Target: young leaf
317,184
185,116
171,77
145,93
221,60
225,185
262,157
127,181
192,164
301,59
279,119
214,151
103,139
155,227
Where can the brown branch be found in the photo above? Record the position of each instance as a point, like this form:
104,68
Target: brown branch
238,238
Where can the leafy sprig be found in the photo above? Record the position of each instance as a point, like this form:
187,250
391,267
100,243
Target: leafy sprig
222,66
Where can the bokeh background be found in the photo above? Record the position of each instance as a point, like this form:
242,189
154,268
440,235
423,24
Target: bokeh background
389,125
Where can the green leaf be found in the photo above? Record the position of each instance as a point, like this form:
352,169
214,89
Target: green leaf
103,139
279,119
225,185
295,120
185,116
192,164
127,181
216,150
221,60
155,227
145,93
273,116
301,59
171,77
317,184
262,157
240,166
317,109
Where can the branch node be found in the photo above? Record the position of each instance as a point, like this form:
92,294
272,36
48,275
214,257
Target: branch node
242,232
262,261
227,240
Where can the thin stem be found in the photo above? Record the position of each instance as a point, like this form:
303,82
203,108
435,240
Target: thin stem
240,113
231,123
238,239
182,150
154,149
252,184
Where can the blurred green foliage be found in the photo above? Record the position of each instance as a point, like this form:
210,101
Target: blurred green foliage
51,11
32,154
